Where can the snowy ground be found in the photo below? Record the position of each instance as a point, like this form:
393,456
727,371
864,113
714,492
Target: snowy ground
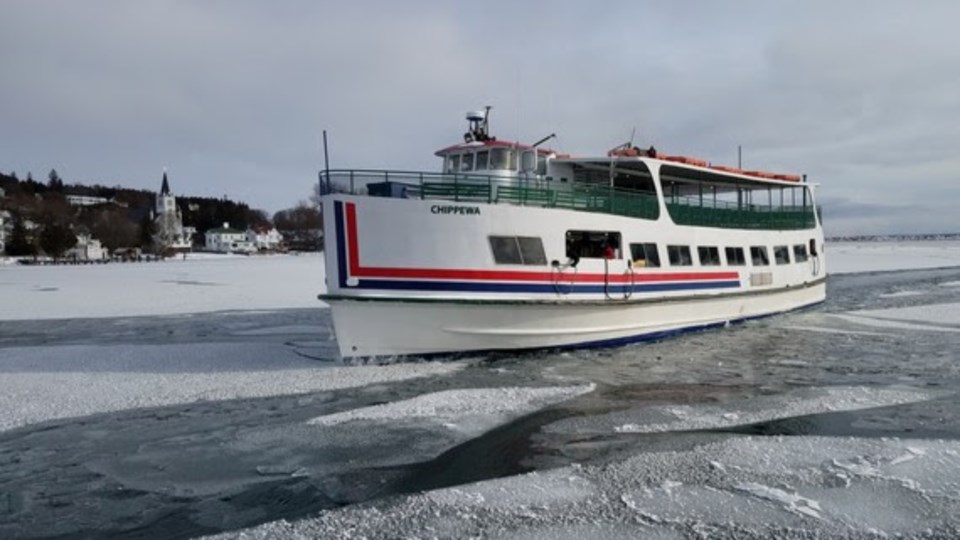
848,257
206,392
201,283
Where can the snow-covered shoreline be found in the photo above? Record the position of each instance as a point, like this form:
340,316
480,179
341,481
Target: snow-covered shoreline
202,283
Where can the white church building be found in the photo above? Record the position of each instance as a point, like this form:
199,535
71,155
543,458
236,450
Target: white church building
169,234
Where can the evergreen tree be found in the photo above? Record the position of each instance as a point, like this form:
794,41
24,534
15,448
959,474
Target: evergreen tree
147,230
19,245
56,238
55,183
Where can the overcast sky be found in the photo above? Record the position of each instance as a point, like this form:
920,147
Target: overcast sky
232,96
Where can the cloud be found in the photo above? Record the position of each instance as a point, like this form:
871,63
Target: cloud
233,96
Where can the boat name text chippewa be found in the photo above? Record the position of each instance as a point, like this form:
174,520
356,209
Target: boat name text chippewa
455,209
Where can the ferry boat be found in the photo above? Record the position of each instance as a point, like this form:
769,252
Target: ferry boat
518,247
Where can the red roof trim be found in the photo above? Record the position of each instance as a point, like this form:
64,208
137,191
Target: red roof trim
490,144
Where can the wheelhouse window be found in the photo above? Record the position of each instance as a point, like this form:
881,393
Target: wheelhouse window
759,256
503,159
800,253
483,157
526,250
679,256
593,245
453,163
466,162
645,255
781,254
709,255
735,256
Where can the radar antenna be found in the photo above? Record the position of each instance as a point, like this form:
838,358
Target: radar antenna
479,126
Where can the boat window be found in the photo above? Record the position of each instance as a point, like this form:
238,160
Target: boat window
759,256
482,158
531,250
781,254
466,162
800,253
709,255
644,255
592,244
735,256
679,256
528,161
503,158
518,250
453,163
542,166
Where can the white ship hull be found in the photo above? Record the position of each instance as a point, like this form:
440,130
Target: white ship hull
383,328
416,277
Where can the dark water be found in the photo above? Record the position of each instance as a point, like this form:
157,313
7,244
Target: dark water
187,470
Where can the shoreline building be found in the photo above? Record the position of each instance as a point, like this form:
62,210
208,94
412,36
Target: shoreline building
168,220
228,240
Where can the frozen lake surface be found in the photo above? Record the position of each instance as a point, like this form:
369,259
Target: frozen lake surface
204,396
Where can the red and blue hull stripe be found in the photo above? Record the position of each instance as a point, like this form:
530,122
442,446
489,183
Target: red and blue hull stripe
500,281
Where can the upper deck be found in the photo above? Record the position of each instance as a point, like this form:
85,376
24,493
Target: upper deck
627,182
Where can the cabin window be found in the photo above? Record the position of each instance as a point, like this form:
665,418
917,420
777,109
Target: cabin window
466,162
528,161
518,250
759,256
781,254
592,244
503,158
709,255
644,255
482,159
735,256
679,256
541,165
453,163
800,253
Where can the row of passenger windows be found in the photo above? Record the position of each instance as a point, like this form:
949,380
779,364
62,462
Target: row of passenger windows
528,250
647,255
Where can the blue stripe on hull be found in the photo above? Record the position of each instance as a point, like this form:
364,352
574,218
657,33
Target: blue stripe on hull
462,286
341,244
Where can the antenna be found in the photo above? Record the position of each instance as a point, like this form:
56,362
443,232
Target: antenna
326,160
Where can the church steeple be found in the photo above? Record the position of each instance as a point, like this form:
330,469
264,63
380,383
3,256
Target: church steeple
165,188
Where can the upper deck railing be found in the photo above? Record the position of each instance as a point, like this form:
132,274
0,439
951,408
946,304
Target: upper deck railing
694,211
493,190
705,212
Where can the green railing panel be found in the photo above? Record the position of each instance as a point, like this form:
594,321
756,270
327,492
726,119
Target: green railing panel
693,211
728,216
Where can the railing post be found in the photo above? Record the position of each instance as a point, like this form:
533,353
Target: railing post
456,189
421,185
352,191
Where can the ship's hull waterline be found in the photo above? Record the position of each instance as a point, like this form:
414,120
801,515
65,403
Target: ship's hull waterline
368,328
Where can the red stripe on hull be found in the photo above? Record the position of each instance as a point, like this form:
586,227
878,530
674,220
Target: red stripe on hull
505,275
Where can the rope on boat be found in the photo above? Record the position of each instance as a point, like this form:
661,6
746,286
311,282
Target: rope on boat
628,292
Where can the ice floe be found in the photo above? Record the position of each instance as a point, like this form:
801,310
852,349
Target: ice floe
459,409
45,383
741,486
675,417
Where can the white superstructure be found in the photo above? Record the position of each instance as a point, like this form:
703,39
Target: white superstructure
517,247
